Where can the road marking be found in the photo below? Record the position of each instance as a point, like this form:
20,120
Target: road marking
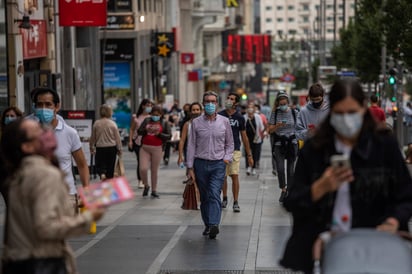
102,234
155,267
252,251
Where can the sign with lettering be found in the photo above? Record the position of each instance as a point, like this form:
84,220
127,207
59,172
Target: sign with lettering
78,13
34,40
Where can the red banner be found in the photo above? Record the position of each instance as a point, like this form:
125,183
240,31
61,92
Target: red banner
248,48
83,13
34,40
187,58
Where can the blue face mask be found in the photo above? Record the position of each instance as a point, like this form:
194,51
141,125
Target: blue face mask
148,109
155,118
9,119
45,115
283,108
210,108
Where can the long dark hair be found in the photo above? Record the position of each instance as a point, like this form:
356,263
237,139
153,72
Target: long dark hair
12,138
341,89
141,106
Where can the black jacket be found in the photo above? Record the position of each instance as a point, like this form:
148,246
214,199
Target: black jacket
382,188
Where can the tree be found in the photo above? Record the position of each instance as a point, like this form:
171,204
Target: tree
343,54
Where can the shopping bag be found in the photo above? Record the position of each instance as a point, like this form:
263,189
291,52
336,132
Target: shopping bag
189,196
119,167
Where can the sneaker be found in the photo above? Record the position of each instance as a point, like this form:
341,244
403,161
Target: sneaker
166,161
206,231
140,184
236,207
214,230
249,169
224,203
253,171
283,196
155,195
146,190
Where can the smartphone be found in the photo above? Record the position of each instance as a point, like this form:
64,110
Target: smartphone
340,160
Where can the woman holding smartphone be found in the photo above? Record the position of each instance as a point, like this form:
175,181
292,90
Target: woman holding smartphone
329,193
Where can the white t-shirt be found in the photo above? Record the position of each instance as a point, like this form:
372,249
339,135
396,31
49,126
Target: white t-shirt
68,141
342,210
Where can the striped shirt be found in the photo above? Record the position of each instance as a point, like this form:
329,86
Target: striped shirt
210,140
289,128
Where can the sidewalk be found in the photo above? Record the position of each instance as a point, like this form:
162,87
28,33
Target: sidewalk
154,236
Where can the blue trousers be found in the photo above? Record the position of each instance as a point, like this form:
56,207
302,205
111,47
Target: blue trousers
210,176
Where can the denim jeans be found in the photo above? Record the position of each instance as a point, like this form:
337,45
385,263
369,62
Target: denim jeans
210,176
280,164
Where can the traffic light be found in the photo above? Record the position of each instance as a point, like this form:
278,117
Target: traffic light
244,96
392,76
392,80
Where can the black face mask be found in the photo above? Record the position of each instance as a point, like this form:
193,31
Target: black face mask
317,104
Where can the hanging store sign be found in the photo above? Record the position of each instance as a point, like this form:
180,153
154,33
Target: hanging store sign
77,13
34,40
187,58
120,21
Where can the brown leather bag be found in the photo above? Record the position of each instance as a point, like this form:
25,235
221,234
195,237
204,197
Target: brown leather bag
189,196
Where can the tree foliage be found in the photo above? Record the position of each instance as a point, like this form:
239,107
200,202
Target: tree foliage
377,23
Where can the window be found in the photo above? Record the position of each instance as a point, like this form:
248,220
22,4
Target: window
280,20
305,7
268,20
329,18
268,8
317,7
329,7
279,8
330,30
306,31
290,7
292,31
291,19
305,19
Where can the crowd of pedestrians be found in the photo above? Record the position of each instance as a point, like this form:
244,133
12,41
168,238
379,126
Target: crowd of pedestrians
371,187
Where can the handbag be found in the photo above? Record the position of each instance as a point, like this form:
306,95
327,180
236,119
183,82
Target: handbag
119,167
189,196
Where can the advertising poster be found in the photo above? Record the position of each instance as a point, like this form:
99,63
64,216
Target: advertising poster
117,90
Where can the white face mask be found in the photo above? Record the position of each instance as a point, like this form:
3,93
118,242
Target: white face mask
348,124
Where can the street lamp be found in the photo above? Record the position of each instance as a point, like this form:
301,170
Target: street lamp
24,23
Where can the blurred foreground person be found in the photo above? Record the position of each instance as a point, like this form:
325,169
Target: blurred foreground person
105,143
39,217
371,189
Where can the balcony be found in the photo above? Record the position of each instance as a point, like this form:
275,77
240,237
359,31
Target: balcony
201,8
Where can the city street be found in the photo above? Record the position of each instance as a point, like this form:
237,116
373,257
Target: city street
156,236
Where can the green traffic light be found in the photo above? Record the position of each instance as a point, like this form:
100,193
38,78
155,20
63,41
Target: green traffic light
393,99
392,80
